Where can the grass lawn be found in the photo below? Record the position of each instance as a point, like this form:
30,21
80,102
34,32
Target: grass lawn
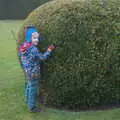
12,106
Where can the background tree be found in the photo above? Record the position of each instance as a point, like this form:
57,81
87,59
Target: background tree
18,9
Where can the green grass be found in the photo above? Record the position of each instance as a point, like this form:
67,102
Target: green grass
12,106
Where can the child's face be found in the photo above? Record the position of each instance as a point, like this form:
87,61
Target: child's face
35,38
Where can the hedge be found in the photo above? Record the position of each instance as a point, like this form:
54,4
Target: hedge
85,69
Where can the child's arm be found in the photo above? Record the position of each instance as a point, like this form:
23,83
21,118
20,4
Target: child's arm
45,55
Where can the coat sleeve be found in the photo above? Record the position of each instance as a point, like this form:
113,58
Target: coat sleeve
44,56
41,56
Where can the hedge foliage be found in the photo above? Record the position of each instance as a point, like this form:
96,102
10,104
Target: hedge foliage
85,69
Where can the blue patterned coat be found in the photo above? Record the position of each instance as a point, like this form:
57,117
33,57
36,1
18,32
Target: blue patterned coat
30,58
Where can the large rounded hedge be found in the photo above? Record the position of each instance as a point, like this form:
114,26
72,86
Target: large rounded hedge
85,67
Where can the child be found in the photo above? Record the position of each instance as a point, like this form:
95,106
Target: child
30,59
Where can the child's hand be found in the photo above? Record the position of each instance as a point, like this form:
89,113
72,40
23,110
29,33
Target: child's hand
51,48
